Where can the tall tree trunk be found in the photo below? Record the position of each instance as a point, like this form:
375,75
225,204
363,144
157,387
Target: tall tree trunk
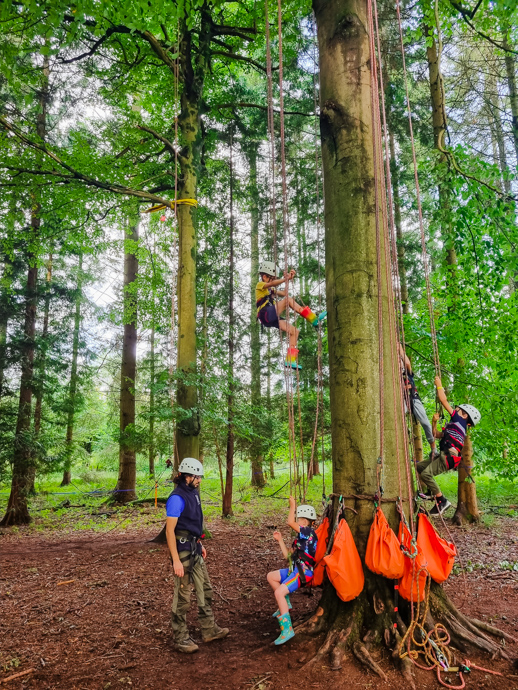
509,60
125,489
152,402
394,170
352,307
439,127
203,366
40,384
351,274
17,512
6,283
188,426
256,455
229,476
71,402
467,505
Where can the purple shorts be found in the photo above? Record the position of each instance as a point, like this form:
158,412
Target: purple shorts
268,317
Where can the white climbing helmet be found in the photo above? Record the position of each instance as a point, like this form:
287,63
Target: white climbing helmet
269,268
307,512
191,466
474,414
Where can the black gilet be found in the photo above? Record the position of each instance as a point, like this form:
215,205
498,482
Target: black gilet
191,518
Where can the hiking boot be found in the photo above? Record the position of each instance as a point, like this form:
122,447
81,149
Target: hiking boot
286,629
439,508
278,613
216,634
188,646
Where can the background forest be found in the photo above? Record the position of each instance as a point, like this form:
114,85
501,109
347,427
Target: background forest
124,343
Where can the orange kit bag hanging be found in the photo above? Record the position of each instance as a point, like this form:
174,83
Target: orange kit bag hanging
344,567
413,582
384,555
439,553
322,532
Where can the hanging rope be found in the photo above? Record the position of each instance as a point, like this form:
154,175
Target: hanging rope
419,205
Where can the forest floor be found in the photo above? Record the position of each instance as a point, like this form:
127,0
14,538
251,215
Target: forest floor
91,610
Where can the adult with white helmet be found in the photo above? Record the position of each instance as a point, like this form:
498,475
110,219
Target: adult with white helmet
303,551
184,529
451,442
269,311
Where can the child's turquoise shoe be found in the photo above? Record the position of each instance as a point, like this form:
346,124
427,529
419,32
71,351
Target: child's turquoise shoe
286,629
278,613
320,317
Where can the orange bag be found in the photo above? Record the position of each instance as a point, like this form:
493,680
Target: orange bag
344,567
322,532
439,553
414,577
383,555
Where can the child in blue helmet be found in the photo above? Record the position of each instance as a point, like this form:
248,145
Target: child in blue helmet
287,580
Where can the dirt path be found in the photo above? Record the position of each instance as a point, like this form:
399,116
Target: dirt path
95,614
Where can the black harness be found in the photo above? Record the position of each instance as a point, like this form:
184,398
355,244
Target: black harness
300,559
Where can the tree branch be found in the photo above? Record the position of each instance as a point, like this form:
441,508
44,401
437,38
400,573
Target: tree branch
468,16
234,56
76,175
240,31
169,145
261,107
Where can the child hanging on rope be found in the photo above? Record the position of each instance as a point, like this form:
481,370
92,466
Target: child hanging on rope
416,406
302,562
451,443
268,310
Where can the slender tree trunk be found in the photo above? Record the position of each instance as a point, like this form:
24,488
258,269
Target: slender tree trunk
256,456
152,403
467,505
203,366
510,69
40,379
7,302
71,403
17,512
229,476
125,489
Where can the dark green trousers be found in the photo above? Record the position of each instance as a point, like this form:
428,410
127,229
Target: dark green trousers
199,581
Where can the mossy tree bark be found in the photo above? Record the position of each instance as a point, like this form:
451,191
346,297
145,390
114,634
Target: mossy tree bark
256,455
351,277
352,305
125,489
192,75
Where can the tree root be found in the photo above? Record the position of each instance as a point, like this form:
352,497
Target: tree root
332,635
313,625
492,630
405,664
362,654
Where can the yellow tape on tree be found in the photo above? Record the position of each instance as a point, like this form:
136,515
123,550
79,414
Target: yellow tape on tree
172,204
